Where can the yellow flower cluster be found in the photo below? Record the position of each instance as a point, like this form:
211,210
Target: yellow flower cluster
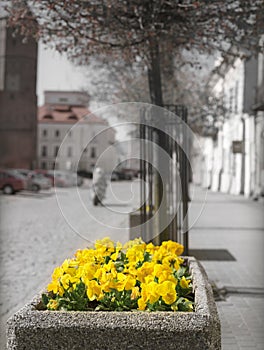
136,275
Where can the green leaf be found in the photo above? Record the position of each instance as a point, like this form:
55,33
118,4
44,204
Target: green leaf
45,299
107,259
147,256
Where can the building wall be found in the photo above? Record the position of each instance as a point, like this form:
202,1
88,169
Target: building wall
226,167
259,159
202,161
79,145
250,88
2,52
259,129
228,171
18,100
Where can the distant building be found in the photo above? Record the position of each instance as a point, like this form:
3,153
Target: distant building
18,100
259,127
234,156
70,137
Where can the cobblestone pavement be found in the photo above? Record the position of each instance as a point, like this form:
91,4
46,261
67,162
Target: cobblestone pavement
242,322
235,224
35,237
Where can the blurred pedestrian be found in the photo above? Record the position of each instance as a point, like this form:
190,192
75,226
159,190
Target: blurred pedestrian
99,186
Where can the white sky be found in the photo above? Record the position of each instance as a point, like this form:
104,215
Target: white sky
55,72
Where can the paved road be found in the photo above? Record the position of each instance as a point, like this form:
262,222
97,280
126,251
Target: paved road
35,236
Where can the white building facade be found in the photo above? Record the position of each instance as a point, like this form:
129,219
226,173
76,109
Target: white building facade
232,157
72,138
259,127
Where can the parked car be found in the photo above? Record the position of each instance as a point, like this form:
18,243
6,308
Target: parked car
120,175
11,182
77,179
47,174
58,178
65,178
35,181
85,174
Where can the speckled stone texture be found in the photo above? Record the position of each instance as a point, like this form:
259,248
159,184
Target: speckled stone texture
30,329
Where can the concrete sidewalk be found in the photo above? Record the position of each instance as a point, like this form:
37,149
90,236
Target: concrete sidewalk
234,226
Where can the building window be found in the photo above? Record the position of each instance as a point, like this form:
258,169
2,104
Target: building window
93,152
57,133
69,152
44,151
43,165
44,132
63,99
56,151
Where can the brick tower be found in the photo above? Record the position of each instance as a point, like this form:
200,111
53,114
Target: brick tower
18,100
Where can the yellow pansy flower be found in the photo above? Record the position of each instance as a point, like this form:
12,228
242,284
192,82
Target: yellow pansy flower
57,273
118,248
164,273
67,280
149,278
167,291
130,282
101,272
104,246
141,304
174,307
84,256
173,247
53,304
88,270
149,292
55,287
158,256
151,248
94,290
145,270
130,269
132,243
173,261
135,293
184,283
135,254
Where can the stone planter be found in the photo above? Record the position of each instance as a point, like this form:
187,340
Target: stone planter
30,329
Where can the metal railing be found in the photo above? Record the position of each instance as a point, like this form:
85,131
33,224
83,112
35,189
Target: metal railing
164,171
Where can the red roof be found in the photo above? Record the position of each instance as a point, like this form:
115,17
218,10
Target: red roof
67,114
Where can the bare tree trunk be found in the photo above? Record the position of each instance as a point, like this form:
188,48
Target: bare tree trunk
155,88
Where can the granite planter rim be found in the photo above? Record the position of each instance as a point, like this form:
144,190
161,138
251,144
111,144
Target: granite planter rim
200,327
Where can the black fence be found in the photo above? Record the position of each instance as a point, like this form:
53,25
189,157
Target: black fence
164,169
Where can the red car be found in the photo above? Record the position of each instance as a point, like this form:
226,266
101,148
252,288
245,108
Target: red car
11,182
